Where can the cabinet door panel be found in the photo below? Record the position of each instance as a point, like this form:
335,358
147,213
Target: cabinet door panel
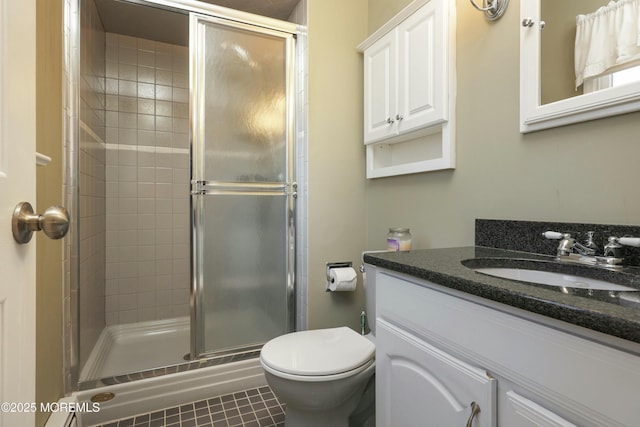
421,84
420,385
380,89
523,412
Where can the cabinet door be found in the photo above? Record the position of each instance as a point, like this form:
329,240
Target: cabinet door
422,86
522,412
380,91
418,384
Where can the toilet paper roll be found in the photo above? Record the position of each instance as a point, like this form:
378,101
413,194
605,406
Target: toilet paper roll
342,279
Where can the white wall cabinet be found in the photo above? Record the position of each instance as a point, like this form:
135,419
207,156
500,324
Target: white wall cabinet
404,76
453,348
408,93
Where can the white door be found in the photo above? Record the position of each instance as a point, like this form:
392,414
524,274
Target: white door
17,183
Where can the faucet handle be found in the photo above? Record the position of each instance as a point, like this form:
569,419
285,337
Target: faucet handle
554,235
629,241
613,248
567,243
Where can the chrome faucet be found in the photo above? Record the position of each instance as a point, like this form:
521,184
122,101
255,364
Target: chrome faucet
590,243
568,244
569,250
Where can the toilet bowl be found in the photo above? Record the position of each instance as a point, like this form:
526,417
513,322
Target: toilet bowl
326,376
320,375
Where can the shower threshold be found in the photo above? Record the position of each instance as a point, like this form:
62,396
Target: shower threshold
131,352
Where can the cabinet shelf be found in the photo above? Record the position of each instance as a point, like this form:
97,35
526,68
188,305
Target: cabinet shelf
416,152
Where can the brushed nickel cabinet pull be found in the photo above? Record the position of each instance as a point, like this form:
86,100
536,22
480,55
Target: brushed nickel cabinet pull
475,410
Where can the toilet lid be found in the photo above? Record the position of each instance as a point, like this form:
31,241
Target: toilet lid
318,352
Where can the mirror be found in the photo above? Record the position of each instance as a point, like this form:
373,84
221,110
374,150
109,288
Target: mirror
548,94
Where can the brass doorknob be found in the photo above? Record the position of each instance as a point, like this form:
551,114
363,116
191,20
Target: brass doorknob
54,222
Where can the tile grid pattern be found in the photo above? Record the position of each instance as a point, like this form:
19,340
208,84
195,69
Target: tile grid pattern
249,408
147,180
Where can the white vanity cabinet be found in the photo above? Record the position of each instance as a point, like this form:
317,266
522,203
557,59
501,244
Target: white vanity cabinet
438,349
522,412
420,385
407,92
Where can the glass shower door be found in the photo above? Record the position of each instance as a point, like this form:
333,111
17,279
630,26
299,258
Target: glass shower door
242,190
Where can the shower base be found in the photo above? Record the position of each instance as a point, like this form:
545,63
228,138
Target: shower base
137,347
143,365
154,394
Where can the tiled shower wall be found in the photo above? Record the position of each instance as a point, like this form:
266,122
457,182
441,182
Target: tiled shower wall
147,180
91,182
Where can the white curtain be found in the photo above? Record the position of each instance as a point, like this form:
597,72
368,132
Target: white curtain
607,39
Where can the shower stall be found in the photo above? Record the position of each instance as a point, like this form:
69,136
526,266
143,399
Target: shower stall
182,141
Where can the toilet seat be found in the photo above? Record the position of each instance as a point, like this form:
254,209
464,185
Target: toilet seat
318,355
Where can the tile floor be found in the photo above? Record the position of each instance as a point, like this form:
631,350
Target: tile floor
249,408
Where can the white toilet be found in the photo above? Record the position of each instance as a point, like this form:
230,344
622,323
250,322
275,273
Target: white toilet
321,374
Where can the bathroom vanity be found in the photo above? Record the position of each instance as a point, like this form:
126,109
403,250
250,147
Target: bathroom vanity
524,354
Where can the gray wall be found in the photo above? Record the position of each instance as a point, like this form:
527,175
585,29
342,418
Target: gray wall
336,173
579,173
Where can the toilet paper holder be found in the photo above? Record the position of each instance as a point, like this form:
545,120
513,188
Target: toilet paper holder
331,265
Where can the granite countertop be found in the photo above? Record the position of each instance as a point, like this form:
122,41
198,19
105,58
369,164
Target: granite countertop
613,313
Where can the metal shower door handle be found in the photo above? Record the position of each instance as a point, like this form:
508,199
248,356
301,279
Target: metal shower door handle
54,222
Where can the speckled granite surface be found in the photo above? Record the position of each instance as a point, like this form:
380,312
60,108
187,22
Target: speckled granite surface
526,236
615,314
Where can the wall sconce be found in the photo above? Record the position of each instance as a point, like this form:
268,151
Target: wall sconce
493,9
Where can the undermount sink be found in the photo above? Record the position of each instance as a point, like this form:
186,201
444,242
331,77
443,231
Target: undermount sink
550,274
552,279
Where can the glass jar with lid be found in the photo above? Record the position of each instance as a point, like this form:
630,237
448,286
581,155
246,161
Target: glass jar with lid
399,239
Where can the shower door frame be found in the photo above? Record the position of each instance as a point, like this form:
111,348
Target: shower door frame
200,187
297,262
